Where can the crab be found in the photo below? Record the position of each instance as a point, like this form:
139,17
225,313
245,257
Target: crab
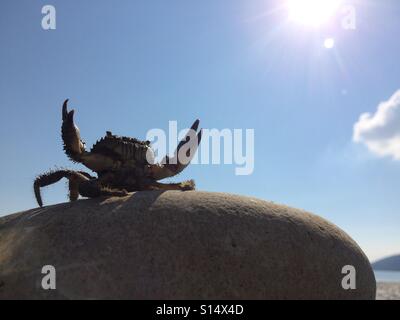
122,164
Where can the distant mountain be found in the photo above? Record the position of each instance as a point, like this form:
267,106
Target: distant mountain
388,264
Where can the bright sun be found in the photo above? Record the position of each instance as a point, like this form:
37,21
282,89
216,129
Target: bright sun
312,12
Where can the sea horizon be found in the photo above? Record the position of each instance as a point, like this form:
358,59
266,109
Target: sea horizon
387,276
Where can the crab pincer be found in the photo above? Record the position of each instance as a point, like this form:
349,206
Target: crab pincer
184,153
73,145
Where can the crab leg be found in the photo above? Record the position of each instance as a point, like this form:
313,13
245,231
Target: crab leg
183,154
74,177
182,186
94,189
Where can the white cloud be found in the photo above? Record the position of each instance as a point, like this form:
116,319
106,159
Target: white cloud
380,131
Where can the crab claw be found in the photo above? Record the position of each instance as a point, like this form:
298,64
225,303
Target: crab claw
183,154
73,145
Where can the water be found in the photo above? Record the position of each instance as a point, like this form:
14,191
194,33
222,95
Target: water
387,276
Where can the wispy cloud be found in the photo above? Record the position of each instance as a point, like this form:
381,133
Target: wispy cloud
380,131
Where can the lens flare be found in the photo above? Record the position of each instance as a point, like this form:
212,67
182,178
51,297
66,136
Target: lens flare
329,43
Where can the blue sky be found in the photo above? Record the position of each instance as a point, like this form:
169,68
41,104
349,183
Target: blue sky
130,66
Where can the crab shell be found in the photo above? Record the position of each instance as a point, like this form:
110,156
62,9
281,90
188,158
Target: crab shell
128,152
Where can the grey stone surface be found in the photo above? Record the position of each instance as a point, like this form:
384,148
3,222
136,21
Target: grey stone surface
178,245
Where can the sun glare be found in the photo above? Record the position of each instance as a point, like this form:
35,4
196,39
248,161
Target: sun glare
312,12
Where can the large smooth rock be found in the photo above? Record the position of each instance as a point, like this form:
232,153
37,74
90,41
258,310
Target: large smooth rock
178,245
